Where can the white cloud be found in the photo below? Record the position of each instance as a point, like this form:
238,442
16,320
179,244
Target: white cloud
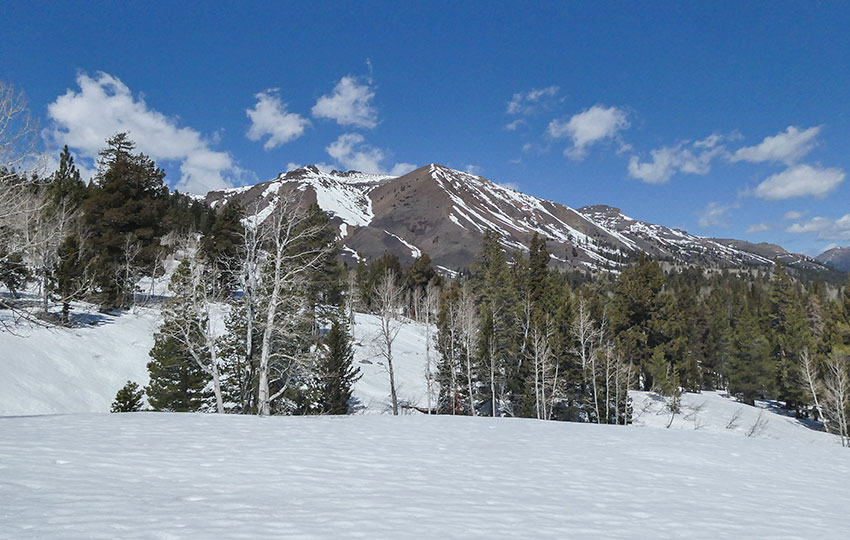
351,152
825,228
785,147
524,102
758,227
710,142
715,215
513,126
588,127
270,117
794,214
800,181
669,160
473,169
400,169
105,106
350,104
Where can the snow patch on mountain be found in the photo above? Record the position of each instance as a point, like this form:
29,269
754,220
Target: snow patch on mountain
415,252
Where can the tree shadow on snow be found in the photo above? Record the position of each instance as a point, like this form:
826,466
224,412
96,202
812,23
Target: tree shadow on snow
777,407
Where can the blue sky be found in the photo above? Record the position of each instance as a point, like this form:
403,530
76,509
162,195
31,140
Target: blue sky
726,119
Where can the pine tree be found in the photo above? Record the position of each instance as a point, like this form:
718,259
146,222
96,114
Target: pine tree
323,288
665,378
635,312
177,375
124,216
503,375
538,267
221,246
239,373
176,382
69,278
66,187
749,366
129,398
790,328
336,371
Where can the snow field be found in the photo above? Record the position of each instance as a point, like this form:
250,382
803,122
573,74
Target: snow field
372,391
51,370
715,412
168,476
47,370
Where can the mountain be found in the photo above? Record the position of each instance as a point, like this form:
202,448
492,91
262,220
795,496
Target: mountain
445,212
838,258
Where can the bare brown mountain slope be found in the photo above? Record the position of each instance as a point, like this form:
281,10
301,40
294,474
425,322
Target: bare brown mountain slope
445,213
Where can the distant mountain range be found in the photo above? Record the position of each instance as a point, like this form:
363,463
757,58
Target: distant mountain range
838,258
445,213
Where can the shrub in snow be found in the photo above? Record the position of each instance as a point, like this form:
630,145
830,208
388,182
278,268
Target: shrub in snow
128,399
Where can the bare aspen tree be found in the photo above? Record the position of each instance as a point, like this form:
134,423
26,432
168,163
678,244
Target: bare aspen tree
249,281
19,205
351,300
836,383
128,272
452,325
526,322
588,336
430,304
18,130
389,296
468,327
292,254
191,323
491,355
245,267
810,375
540,349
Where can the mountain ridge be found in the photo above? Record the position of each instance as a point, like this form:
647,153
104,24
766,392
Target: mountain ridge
837,257
445,212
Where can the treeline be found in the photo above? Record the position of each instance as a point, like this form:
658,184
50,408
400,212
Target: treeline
258,318
519,338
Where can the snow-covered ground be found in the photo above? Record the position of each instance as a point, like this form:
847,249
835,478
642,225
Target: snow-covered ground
46,370
409,365
722,469
717,413
158,475
49,370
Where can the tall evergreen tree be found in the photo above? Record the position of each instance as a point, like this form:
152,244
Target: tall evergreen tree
336,370
790,329
65,194
221,247
503,373
749,367
635,311
177,380
124,217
